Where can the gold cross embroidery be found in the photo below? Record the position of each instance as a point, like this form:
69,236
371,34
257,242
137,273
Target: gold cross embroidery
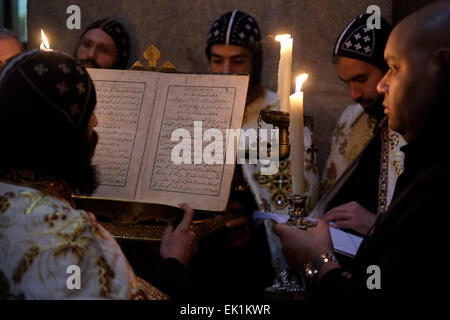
62,87
80,87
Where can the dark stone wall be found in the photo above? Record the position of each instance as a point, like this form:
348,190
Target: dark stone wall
179,29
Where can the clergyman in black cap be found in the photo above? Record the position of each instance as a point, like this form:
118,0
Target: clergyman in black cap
104,44
48,139
362,145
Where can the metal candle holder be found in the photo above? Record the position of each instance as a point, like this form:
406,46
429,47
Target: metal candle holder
280,120
297,212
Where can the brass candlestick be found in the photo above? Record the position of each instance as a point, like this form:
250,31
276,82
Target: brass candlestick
297,212
280,120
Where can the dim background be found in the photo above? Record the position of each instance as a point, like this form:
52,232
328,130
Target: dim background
179,29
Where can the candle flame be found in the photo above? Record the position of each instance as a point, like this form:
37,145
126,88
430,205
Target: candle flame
45,45
282,37
299,81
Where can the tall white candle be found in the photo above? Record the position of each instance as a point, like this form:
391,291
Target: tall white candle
296,137
284,70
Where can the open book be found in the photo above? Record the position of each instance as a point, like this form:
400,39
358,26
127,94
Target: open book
137,155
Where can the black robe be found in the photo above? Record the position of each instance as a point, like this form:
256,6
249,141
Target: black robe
409,243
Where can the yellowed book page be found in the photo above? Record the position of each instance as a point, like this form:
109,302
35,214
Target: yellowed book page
195,103
124,108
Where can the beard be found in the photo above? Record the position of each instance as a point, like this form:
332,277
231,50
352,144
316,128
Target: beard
88,63
91,182
373,107
93,141
85,177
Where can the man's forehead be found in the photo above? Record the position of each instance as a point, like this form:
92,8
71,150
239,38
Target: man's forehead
9,44
398,43
348,68
230,50
99,36
8,48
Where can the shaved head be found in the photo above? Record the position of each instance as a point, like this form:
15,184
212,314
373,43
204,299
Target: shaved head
10,45
418,55
427,29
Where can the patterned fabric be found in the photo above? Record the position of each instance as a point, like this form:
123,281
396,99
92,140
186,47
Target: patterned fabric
41,235
53,81
359,42
271,191
119,35
353,130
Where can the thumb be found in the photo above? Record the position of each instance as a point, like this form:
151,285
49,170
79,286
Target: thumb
280,229
187,218
167,232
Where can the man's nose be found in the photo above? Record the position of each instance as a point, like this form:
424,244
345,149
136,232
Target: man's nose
382,86
226,67
92,53
355,91
94,120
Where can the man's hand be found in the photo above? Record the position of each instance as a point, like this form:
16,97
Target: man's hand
302,246
180,243
352,216
238,234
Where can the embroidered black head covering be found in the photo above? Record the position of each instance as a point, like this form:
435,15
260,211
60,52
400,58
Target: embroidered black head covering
47,85
357,41
46,102
120,36
239,29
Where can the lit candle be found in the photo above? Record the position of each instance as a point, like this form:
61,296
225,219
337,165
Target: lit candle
45,45
296,136
284,70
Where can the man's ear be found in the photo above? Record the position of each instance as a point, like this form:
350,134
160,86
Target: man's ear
442,57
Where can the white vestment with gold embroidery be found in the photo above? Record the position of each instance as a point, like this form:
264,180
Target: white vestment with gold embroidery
353,131
271,191
42,235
